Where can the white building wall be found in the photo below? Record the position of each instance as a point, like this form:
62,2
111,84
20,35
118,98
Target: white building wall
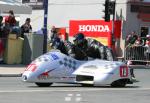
36,19
61,11
132,22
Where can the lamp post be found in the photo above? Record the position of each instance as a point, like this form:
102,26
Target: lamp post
113,23
45,4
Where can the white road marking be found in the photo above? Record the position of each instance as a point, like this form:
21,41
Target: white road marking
78,95
70,95
67,98
78,99
74,90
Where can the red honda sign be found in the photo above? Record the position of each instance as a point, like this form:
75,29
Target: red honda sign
98,29
94,28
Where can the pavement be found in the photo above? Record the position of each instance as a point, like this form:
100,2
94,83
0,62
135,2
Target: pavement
14,70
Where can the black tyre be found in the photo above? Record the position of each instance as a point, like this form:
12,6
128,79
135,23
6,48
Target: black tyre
43,84
87,85
118,83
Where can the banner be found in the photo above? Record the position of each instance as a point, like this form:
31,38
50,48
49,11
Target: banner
97,29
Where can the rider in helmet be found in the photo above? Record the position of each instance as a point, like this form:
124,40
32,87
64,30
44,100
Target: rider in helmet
68,48
57,43
93,48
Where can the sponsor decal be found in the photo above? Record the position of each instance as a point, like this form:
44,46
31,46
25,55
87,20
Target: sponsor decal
111,66
109,73
67,78
45,75
48,77
91,66
124,71
42,59
91,28
54,56
88,71
94,28
97,29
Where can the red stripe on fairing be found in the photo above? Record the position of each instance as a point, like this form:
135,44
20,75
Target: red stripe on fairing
31,67
124,71
46,73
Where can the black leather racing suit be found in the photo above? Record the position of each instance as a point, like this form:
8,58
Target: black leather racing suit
93,48
74,51
90,48
68,48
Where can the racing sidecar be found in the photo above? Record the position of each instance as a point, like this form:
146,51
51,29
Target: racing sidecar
56,67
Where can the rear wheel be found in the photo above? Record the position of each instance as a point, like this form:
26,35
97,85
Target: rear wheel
43,84
119,83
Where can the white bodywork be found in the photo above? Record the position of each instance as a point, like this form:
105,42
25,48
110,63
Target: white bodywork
55,67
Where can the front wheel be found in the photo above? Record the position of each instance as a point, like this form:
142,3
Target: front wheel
43,84
87,85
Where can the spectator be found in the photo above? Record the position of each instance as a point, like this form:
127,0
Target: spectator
10,20
4,31
10,24
139,42
148,37
130,43
1,37
1,50
148,49
1,26
131,38
26,27
53,34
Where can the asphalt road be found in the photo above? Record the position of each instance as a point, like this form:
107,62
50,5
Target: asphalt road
13,90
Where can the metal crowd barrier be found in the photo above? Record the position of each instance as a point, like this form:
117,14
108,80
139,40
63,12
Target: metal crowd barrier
137,53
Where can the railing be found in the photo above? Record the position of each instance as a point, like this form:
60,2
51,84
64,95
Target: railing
135,0
138,54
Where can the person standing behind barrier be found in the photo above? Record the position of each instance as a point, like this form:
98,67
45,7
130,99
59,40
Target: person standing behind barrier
10,20
130,41
53,34
131,38
1,27
1,38
26,27
147,53
11,24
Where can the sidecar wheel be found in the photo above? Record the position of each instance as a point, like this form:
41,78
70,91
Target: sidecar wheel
43,84
118,83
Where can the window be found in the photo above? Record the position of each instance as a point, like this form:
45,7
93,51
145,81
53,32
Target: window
40,0
35,4
144,31
25,1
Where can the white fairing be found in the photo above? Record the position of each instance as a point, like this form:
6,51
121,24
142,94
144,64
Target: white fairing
57,67
104,72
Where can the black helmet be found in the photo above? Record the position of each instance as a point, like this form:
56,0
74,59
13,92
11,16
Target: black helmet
79,36
79,39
